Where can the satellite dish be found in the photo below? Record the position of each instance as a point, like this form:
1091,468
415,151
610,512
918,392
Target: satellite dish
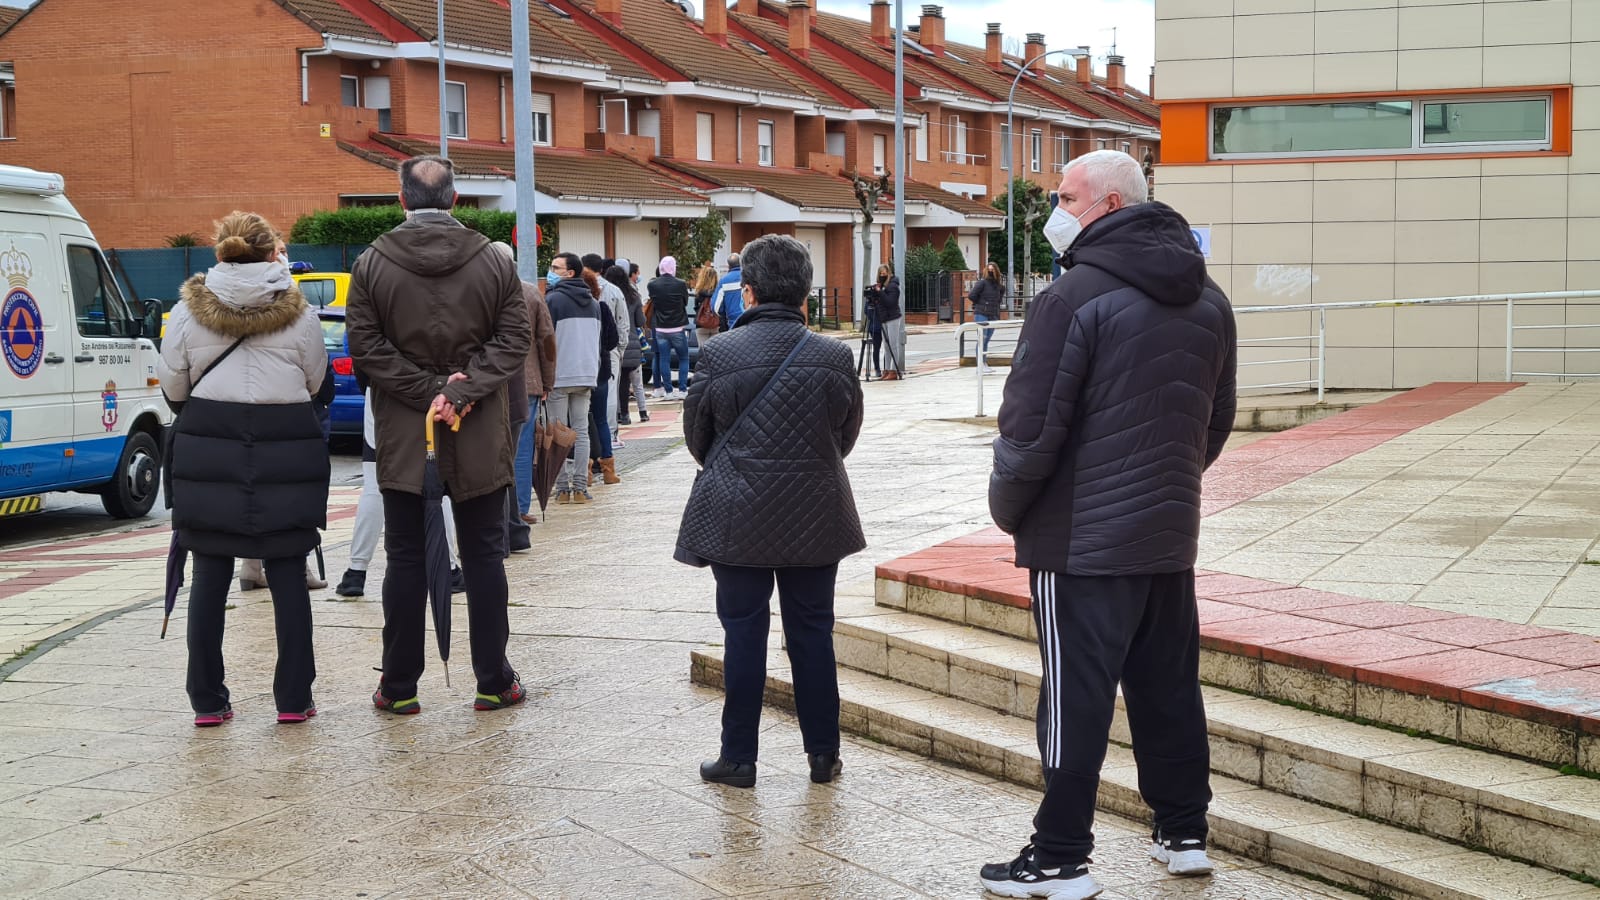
689,10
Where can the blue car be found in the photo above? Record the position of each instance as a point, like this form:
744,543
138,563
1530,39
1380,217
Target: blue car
348,401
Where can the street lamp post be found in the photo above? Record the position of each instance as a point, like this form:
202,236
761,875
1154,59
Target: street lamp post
899,155
522,108
1011,166
444,128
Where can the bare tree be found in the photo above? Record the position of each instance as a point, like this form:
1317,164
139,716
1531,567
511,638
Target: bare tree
868,191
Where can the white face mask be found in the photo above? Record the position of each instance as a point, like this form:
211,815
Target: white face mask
1063,227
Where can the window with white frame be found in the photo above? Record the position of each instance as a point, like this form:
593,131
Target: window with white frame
1036,151
1382,127
764,143
956,141
543,105
349,90
455,109
922,139
880,154
1063,151
702,136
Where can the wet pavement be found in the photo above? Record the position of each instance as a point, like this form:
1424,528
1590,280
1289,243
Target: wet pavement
589,790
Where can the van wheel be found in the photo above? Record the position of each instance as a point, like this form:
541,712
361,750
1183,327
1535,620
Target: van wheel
132,490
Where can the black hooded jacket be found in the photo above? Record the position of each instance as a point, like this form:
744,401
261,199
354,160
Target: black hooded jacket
1121,394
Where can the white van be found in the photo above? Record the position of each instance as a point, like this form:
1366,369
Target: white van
80,406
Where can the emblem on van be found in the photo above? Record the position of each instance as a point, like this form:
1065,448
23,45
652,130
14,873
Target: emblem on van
108,399
21,323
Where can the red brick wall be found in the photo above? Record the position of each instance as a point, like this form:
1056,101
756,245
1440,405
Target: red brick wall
678,130
220,125
783,132
842,272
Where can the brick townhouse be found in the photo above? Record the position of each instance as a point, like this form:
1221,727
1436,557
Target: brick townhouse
163,115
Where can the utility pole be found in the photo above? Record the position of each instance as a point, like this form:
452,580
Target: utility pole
444,136
522,108
899,249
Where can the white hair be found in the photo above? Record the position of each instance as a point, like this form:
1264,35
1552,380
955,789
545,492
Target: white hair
1112,172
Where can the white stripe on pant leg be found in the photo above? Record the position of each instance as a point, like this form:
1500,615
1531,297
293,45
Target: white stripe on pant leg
1056,686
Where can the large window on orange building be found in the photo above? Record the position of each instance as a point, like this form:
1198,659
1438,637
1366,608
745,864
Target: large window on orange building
1381,127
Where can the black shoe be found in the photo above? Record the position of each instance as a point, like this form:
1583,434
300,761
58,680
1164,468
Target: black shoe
520,543
825,767
353,584
458,581
720,771
1022,877
624,419
644,416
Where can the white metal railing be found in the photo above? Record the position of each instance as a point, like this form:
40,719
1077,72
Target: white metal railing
963,159
1317,344
967,328
1512,329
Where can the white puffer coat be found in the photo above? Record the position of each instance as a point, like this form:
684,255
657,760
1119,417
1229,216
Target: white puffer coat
282,359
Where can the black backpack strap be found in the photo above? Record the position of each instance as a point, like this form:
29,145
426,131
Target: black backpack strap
214,363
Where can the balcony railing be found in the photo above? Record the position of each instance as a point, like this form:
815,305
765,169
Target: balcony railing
963,159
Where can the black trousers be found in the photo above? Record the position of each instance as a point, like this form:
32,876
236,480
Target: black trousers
481,541
1144,632
291,612
515,527
805,602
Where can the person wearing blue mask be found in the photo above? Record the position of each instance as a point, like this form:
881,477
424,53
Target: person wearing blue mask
575,311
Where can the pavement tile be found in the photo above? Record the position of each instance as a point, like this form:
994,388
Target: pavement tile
1376,615
1339,654
1472,631
1572,650
1444,675
1260,631
1294,599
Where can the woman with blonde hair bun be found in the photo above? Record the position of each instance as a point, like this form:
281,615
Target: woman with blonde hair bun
241,360
705,291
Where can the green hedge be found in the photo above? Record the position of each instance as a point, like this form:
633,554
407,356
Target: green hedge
363,225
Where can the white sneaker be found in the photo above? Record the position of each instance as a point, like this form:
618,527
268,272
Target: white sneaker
1182,857
990,370
658,394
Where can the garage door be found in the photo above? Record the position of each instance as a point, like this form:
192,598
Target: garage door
582,236
816,240
637,242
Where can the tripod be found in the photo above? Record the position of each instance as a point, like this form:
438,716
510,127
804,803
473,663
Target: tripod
862,371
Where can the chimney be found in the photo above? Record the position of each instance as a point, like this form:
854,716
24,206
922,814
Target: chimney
882,34
748,7
611,9
1085,68
715,23
992,54
799,27
1035,52
1116,74
1152,82
931,32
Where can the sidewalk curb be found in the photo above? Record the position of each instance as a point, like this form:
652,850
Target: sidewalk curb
17,663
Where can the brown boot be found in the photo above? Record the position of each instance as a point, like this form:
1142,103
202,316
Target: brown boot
608,468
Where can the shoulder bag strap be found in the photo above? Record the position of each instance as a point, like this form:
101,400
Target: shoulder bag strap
765,389
214,363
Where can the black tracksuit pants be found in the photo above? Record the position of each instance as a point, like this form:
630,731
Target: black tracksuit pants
805,602
291,613
1144,632
481,539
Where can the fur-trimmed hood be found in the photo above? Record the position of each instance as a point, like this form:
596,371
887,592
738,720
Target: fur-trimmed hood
243,299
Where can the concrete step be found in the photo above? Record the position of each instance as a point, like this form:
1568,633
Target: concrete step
1252,821
1472,797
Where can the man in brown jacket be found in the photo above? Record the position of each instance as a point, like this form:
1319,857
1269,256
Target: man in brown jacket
532,382
437,321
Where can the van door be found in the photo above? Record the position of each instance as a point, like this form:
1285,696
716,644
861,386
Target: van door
35,375
104,362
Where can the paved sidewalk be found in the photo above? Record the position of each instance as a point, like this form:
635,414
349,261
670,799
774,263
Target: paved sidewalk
106,790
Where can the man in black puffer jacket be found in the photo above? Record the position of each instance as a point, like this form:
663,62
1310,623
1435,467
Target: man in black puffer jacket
771,415
1121,394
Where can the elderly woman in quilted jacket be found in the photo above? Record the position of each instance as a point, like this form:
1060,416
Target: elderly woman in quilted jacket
770,417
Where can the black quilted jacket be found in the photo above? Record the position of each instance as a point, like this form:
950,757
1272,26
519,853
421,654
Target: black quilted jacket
777,494
1121,394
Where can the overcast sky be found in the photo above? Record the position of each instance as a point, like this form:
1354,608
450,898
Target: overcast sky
1065,25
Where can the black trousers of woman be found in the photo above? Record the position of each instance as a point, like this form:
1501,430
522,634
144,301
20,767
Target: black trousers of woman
291,612
805,601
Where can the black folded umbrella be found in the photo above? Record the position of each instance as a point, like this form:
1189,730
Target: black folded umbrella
435,546
177,557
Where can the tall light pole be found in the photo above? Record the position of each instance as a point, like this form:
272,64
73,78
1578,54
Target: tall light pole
899,158
522,108
444,137
1011,166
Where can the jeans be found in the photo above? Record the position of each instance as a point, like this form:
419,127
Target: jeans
571,405
632,383
744,605
597,416
665,344
481,523
523,462
1094,632
291,613
988,333
369,521
517,532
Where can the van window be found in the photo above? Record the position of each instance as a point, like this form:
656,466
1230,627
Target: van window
96,301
